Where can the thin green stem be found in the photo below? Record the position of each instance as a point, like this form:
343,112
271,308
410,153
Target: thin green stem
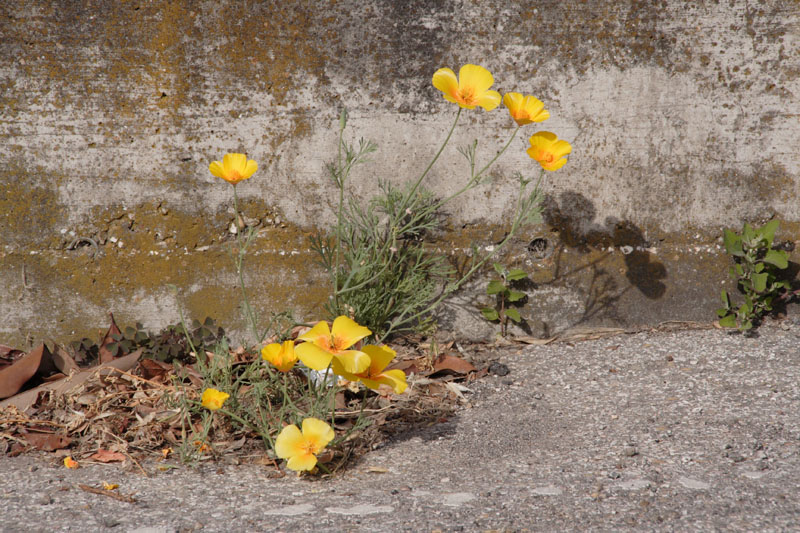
518,218
490,163
240,269
413,189
340,182
471,184
248,424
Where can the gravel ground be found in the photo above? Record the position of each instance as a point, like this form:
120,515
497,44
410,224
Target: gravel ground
686,430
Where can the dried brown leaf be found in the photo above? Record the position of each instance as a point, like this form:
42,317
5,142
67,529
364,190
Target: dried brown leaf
47,442
107,456
105,354
450,363
14,376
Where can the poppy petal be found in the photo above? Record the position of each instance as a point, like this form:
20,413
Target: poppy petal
319,331
380,357
353,361
318,433
347,332
249,169
290,442
313,356
298,463
476,77
216,169
489,100
445,80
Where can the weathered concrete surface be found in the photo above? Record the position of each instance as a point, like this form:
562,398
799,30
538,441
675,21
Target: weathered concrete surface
678,431
683,118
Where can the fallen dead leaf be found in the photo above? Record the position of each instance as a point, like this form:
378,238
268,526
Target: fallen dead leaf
105,354
14,376
107,456
155,370
48,442
451,363
25,400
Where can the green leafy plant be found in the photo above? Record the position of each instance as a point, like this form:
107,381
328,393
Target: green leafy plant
506,295
384,271
756,266
168,345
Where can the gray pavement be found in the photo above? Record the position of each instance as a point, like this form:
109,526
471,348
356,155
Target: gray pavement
695,430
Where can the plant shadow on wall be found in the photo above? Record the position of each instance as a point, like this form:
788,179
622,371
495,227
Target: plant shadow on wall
572,215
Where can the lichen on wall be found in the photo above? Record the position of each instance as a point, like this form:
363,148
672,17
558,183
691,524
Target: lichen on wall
682,117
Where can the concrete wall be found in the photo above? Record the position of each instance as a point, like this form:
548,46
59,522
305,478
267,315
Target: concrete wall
683,118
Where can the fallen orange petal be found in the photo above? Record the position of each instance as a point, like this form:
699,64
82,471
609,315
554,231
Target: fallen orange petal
69,462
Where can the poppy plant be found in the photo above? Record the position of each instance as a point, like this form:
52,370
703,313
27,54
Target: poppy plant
281,356
469,89
213,399
322,345
525,109
233,168
301,448
548,150
375,375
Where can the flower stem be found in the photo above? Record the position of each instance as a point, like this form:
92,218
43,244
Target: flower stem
519,217
248,310
340,183
413,189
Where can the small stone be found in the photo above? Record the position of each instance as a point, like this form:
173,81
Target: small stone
45,499
548,490
693,483
458,498
630,451
634,484
498,369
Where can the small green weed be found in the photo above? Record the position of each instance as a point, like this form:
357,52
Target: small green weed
502,289
755,270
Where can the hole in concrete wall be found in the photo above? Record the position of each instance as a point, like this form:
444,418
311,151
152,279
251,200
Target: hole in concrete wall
540,248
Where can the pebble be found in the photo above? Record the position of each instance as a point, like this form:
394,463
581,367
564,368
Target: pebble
630,451
458,498
498,369
633,484
548,490
693,483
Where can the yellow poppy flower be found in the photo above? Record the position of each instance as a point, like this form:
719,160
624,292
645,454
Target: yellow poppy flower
548,150
281,356
322,345
525,109
213,399
233,168
301,448
375,376
470,89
